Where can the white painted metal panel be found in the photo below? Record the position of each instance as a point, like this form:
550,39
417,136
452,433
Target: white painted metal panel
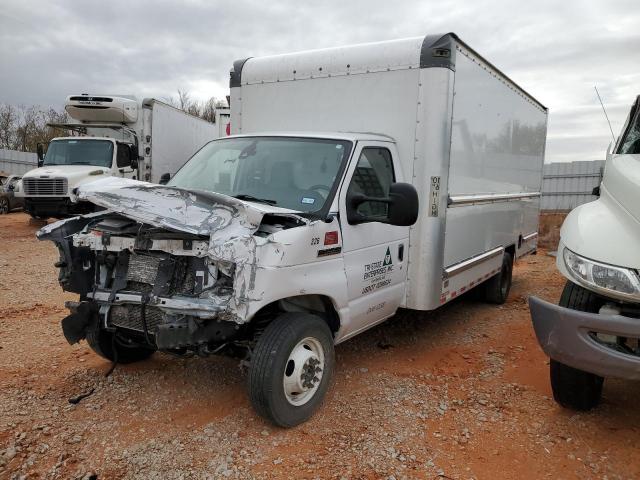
175,137
568,185
383,103
14,162
497,147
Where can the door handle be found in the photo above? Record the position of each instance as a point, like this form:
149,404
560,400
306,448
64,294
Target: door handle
401,252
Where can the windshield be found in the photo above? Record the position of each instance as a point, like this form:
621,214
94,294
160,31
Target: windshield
294,173
80,152
630,142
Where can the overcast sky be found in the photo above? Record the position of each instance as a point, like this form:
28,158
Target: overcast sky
557,50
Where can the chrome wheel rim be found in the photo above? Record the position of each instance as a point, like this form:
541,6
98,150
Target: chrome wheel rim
4,206
303,371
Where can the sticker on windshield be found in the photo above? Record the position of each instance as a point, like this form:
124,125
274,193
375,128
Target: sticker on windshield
308,200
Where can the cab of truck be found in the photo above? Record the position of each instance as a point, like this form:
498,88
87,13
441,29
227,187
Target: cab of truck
594,332
69,162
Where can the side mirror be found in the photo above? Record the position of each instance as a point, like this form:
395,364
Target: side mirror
123,156
596,191
133,155
403,207
41,154
165,178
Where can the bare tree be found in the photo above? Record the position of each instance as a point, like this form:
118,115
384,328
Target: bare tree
8,119
205,110
23,127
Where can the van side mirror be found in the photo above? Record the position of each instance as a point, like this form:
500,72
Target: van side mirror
403,206
596,191
164,179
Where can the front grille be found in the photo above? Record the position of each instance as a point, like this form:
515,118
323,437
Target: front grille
45,186
130,317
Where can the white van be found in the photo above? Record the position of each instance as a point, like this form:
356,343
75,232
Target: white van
405,173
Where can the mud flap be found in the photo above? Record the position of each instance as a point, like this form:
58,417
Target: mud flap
84,315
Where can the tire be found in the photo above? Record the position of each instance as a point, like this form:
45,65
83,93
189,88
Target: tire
4,205
281,389
103,343
496,289
574,388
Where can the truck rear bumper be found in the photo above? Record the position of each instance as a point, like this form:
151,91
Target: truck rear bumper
57,207
569,336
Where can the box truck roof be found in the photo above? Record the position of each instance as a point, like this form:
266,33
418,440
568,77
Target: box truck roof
437,50
351,136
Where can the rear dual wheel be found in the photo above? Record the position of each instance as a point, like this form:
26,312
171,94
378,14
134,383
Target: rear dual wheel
496,289
291,368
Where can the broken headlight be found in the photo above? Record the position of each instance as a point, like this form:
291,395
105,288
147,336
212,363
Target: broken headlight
614,281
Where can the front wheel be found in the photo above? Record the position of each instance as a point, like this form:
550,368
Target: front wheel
109,346
573,388
4,205
291,368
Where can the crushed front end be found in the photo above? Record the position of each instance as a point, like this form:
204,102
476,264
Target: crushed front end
153,286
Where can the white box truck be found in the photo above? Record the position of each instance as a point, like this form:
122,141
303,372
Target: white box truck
118,136
594,332
407,173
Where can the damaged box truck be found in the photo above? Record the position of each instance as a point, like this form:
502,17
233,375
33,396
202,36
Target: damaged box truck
406,173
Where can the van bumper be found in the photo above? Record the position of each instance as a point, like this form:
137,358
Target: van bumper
568,336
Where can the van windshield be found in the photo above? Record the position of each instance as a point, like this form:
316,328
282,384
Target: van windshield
79,152
293,173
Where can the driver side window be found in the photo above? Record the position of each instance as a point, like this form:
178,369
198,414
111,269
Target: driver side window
372,178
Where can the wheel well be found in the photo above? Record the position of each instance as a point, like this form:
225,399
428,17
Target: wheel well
320,305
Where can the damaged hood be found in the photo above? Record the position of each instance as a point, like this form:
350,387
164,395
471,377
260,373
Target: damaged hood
199,213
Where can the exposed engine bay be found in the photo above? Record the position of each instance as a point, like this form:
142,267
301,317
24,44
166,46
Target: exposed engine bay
159,284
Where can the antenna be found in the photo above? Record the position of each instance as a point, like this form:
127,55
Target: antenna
605,114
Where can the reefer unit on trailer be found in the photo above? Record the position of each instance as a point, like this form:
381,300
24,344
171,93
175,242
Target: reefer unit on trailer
118,136
403,174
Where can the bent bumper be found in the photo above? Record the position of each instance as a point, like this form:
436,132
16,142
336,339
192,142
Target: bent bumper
568,336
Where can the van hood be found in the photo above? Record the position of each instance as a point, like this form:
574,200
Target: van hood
195,212
75,174
622,181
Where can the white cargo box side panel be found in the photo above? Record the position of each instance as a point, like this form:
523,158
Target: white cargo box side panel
497,152
320,105
175,137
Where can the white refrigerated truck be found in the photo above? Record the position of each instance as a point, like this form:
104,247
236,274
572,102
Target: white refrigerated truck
405,173
119,136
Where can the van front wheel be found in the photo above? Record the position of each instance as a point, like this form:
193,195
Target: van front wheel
291,368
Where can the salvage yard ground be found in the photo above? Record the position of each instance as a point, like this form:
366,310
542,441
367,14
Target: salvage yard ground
456,394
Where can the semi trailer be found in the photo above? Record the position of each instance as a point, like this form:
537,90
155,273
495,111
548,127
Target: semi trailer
115,136
403,174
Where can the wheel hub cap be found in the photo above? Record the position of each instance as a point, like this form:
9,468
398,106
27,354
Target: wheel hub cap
303,371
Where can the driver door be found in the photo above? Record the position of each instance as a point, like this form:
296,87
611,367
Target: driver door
374,253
